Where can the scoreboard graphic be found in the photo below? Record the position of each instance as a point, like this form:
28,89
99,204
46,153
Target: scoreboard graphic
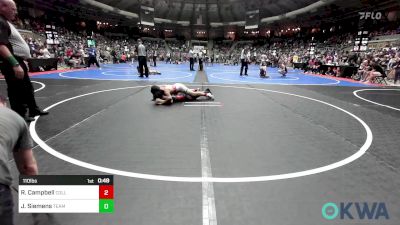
51,35
66,194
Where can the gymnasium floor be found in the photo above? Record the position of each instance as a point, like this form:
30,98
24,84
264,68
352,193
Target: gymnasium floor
265,152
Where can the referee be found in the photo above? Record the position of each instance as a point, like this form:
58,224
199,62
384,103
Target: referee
191,59
13,53
155,57
245,59
142,58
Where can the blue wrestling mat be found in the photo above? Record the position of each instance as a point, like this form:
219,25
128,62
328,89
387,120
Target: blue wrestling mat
231,75
217,74
128,72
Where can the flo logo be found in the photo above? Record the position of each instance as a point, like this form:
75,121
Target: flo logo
370,15
355,210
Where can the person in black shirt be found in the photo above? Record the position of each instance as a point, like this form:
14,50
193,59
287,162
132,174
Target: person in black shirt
114,56
397,72
283,69
15,140
155,57
377,71
14,52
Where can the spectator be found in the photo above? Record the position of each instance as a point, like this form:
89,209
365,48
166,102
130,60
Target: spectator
69,52
123,58
75,60
377,71
142,59
44,53
92,52
14,138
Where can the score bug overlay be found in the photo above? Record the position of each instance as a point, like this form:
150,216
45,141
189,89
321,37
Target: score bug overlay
66,194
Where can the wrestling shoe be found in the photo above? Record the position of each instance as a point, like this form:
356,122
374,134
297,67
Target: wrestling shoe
210,96
207,91
38,112
29,119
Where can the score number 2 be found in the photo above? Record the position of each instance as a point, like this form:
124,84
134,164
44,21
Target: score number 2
106,192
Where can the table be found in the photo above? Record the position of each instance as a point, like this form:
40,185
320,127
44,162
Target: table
46,64
301,66
345,70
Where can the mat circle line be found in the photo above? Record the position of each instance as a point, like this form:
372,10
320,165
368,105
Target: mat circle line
271,83
363,149
355,93
259,78
135,75
114,66
118,69
43,86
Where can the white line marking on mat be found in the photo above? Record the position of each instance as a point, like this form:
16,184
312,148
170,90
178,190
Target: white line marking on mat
387,106
202,105
208,199
133,79
363,149
73,126
213,75
43,86
69,128
37,90
210,103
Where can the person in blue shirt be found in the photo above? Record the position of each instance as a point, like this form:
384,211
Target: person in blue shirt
92,56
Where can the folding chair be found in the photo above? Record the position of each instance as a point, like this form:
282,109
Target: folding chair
381,79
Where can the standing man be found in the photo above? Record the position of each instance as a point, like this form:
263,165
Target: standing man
142,58
14,52
114,56
212,58
81,52
245,59
168,57
15,139
200,58
92,52
155,57
191,59
397,71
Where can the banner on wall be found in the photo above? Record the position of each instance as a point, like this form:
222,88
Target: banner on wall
252,19
198,48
